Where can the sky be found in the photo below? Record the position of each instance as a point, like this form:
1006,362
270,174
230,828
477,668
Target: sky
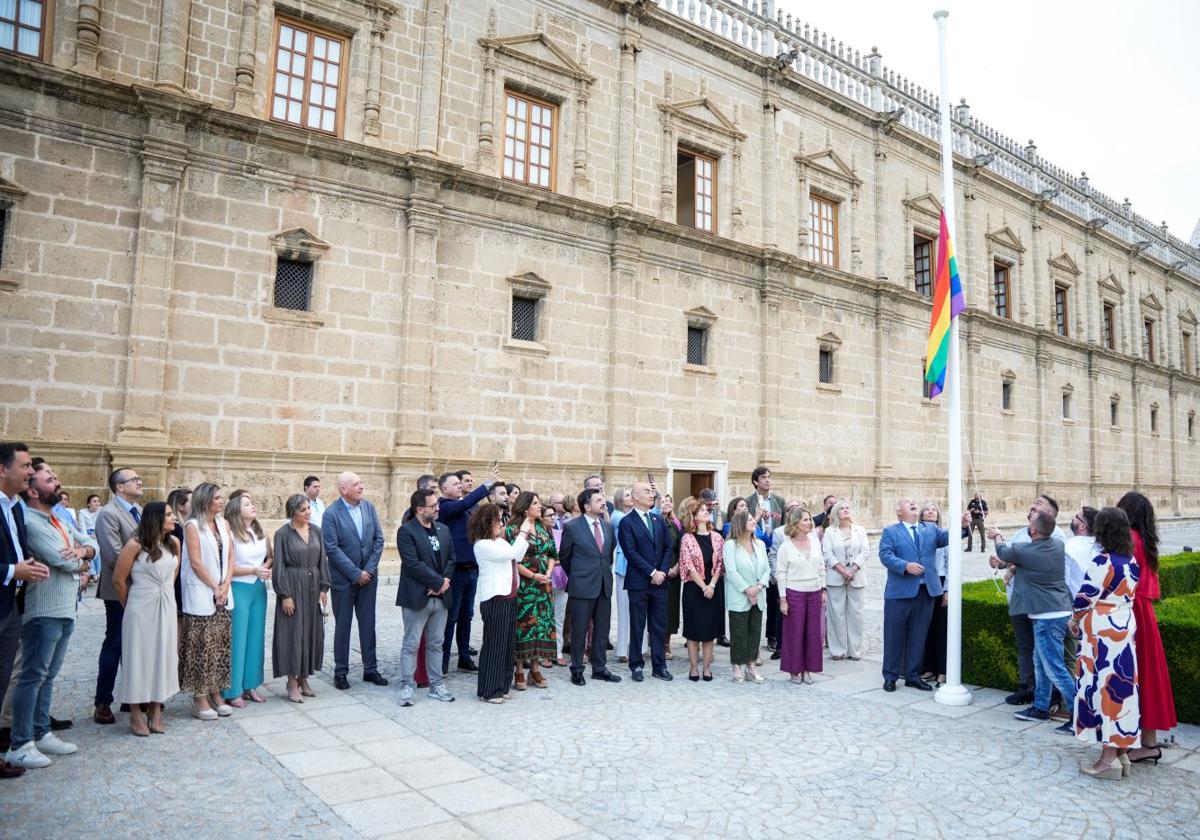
1104,87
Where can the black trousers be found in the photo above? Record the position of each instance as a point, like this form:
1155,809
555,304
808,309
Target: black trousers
110,652
647,606
497,653
934,659
774,616
598,611
905,627
348,604
1023,631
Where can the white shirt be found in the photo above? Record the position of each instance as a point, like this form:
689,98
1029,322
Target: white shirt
356,516
253,552
1080,551
317,508
6,504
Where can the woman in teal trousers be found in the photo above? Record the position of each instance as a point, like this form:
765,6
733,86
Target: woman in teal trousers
253,568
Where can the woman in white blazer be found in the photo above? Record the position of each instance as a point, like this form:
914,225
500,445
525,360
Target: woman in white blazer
747,573
497,587
845,549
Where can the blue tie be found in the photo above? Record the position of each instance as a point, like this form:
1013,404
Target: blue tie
136,514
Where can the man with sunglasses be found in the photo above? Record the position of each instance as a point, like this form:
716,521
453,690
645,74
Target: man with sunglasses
116,523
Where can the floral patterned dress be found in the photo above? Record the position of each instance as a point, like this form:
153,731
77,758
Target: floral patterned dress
535,604
1106,693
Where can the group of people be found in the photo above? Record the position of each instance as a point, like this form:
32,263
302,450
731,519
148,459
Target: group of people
184,586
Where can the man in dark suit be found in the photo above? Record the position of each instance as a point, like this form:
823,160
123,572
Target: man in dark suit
426,564
647,551
586,555
116,523
908,550
454,508
354,542
16,564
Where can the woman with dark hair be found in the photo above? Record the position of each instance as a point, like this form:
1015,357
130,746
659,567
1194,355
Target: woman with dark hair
253,568
1155,698
144,579
701,564
180,501
300,576
1106,695
205,634
498,581
535,609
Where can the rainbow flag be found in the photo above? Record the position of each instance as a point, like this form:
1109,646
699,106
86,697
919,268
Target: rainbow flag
948,302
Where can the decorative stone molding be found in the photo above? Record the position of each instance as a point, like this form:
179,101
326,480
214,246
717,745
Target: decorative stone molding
827,174
87,36
300,245
527,285
10,194
380,12
701,318
243,85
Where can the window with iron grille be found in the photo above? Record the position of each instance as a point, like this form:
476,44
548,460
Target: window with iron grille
697,346
923,265
1108,322
23,26
1006,396
293,284
825,366
1060,310
1000,290
524,318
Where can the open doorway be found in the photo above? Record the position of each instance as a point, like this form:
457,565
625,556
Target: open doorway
688,478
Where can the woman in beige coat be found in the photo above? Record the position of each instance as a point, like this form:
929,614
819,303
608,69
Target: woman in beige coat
846,549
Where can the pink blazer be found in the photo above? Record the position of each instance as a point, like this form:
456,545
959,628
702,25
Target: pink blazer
690,558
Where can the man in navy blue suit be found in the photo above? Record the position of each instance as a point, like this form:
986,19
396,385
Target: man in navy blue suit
643,538
907,551
16,468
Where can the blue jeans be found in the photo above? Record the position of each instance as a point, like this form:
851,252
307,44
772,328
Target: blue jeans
1049,670
43,648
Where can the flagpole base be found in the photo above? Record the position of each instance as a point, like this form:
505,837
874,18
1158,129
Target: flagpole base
953,695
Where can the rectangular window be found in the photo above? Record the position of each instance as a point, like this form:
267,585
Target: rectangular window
23,26
822,231
4,224
293,284
1148,338
524,318
825,366
1001,300
1191,426
1066,406
1185,349
923,265
1108,323
1153,420
926,385
696,191
309,78
1061,315
697,346
529,127
1006,396
1114,413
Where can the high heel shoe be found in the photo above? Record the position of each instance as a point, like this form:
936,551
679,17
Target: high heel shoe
1157,755
1126,764
707,676
1112,771
694,677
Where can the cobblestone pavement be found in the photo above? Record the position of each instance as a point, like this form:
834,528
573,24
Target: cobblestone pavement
652,760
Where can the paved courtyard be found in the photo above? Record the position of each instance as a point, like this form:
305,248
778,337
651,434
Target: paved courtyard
712,760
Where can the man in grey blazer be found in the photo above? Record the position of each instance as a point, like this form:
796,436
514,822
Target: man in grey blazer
354,543
1040,591
586,555
116,523
426,566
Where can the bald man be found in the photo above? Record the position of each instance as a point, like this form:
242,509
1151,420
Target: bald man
354,542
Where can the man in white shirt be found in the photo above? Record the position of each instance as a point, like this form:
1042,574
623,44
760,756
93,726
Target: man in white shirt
312,489
1081,548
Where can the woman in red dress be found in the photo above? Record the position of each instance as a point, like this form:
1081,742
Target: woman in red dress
1157,701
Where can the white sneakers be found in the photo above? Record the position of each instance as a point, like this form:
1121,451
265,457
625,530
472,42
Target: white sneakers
33,755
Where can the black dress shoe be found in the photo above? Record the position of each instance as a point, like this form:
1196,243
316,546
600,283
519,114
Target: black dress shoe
1020,697
577,679
723,642
375,678
918,684
775,654
638,676
609,646
341,683
606,676
889,685
57,725
663,674
467,665
472,652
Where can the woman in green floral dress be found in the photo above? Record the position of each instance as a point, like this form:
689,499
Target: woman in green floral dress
535,604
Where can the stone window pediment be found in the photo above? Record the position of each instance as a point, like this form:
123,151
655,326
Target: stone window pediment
541,51
1151,302
1112,284
702,114
10,193
1007,375
829,341
529,285
926,204
1005,239
299,244
1064,266
701,317
829,163
1188,317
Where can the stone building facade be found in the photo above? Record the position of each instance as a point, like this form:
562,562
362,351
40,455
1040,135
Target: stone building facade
245,241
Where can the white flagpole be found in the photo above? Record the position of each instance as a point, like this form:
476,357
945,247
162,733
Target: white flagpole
953,693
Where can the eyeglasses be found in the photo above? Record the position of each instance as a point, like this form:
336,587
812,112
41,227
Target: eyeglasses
136,478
